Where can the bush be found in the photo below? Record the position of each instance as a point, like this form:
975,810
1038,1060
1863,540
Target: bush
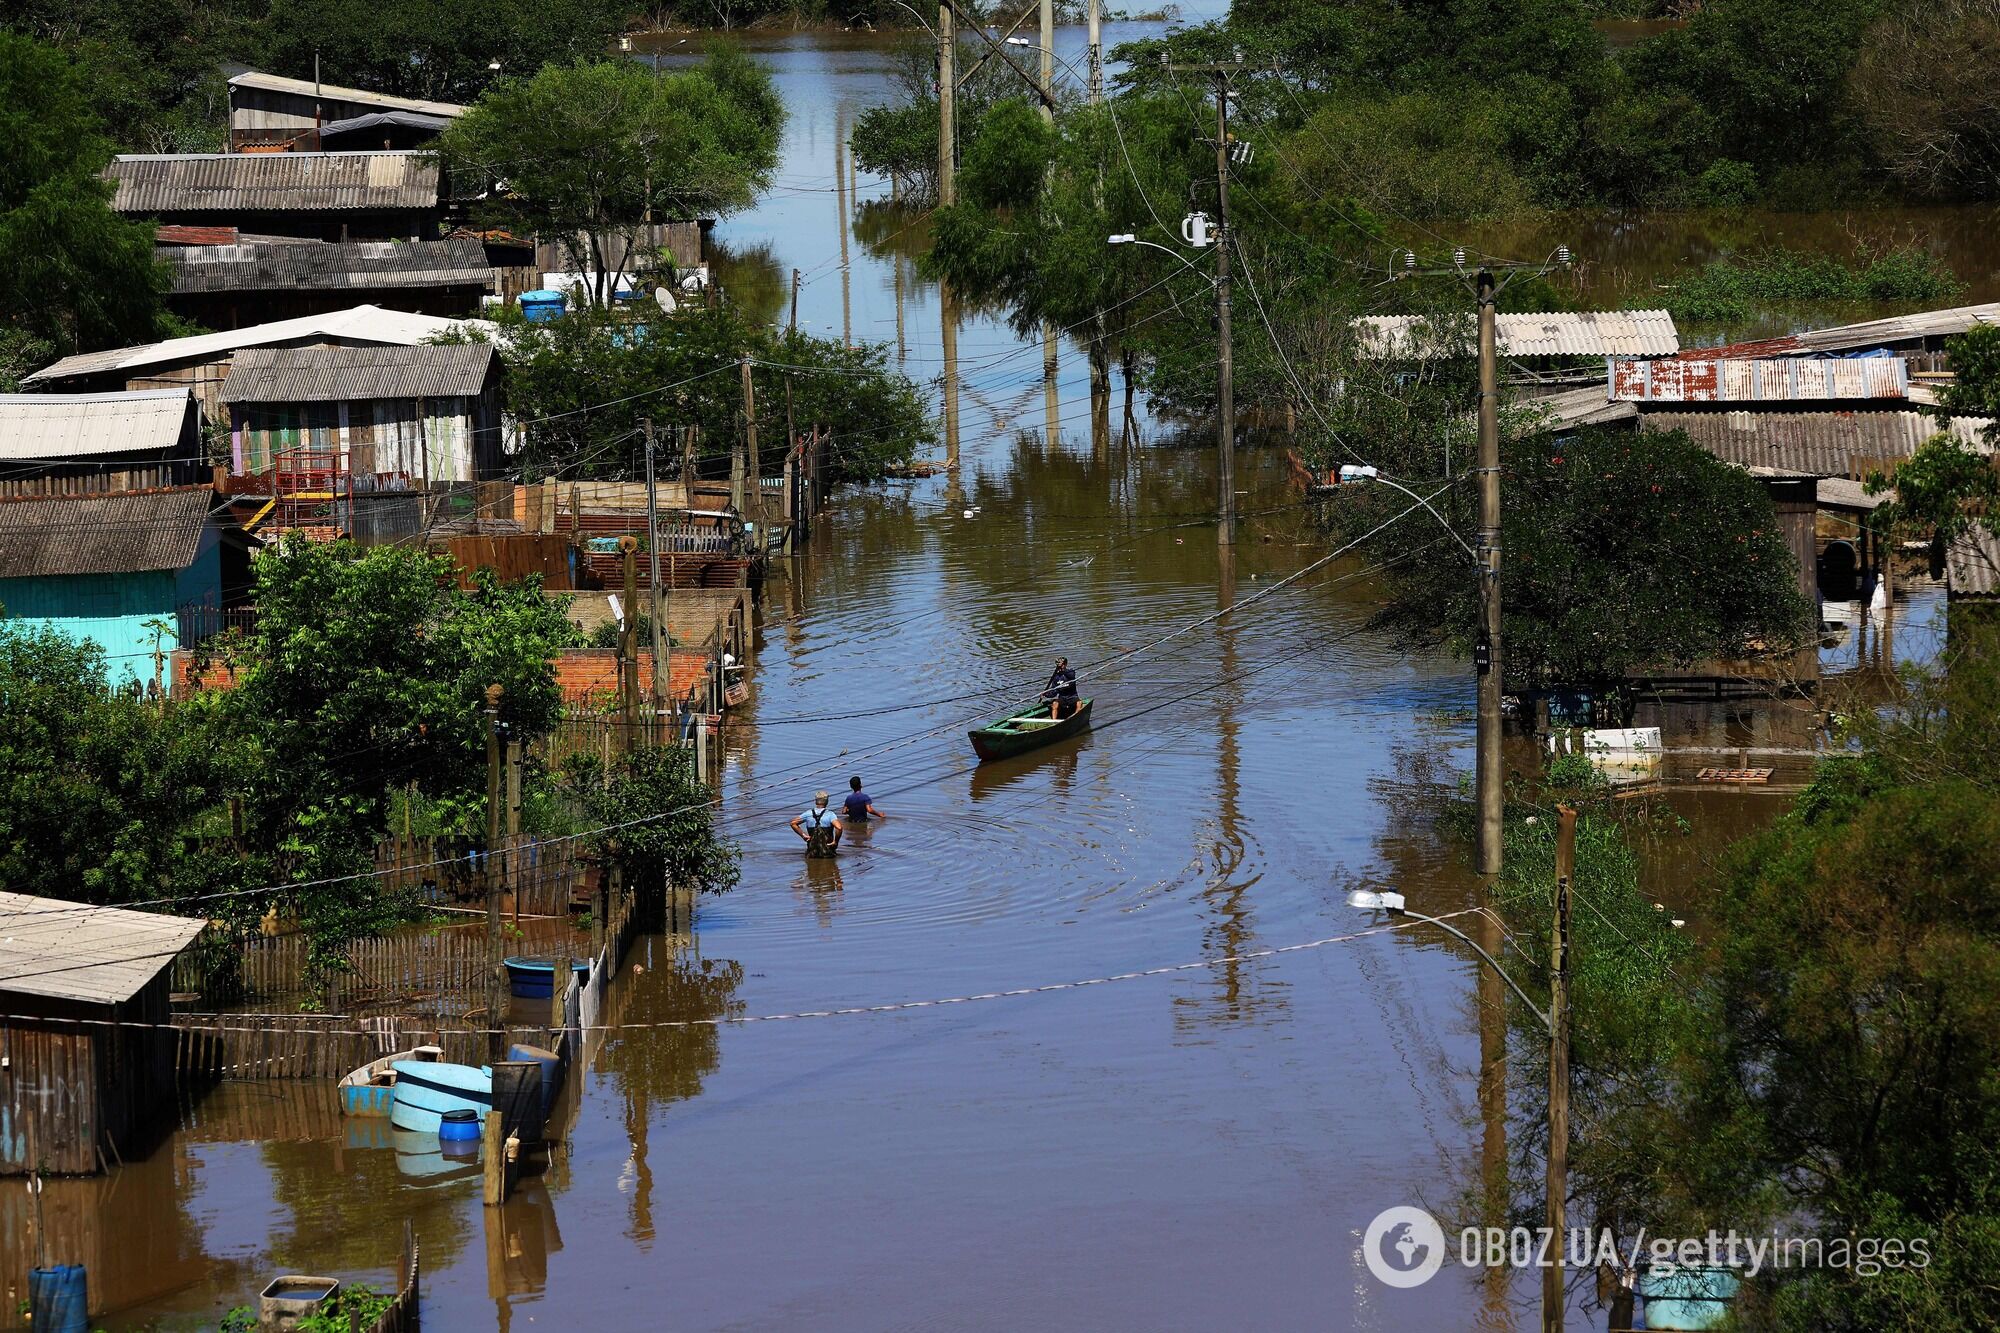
1727,183
1731,289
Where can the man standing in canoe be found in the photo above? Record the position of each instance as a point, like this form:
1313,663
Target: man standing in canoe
819,827
1061,691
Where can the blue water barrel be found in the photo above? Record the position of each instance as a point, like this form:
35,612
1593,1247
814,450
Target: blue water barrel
458,1127
543,305
1688,1299
59,1299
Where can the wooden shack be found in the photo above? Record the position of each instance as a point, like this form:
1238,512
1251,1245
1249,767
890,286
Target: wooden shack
86,1053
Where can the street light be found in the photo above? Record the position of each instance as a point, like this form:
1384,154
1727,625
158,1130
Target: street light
1127,238
1367,900
1369,472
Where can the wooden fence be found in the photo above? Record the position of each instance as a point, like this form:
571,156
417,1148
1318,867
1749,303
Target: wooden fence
401,1316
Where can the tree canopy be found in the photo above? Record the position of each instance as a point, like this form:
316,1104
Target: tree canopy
587,153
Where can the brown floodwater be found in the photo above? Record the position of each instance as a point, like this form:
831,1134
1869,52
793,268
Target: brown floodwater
1198,1149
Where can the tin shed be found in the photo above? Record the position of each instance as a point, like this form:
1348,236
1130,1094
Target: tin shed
86,1050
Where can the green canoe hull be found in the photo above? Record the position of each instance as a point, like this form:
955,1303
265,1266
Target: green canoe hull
1021,733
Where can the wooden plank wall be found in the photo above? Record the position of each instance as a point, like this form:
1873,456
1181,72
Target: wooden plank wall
48,1099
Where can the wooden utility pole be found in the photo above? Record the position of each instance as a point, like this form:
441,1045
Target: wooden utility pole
657,602
1486,653
947,195
795,301
1051,368
1094,74
1558,1158
756,469
628,640
496,967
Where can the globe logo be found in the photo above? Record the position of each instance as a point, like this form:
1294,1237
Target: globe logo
1403,1246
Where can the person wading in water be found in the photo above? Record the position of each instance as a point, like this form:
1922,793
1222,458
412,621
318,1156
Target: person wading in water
1061,691
857,808
819,827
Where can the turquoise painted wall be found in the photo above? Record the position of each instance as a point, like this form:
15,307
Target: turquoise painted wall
112,609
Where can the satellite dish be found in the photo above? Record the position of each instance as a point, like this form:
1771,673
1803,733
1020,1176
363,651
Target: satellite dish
666,300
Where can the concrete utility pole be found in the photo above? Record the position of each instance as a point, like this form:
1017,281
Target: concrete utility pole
1094,18
496,967
657,602
1225,426
947,194
1051,367
1486,653
1558,1176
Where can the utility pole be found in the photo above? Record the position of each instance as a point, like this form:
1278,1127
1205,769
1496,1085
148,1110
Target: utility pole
1051,368
947,194
1486,653
795,301
750,441
1094,74
1225,426
657,602
628,638
1558,1158
496,967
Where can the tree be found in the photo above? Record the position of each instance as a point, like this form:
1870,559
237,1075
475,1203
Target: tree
1625,552
73,274
366,672
1924,82
588,153
583,382
434,49
659,819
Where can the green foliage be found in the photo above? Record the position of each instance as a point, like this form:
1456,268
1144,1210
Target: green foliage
1451,157
1939,488
1975,363
433,49
587,152
355,1305
1923,81
559,373
1598,515
73,274
1730,290
663,819
97,784
1726,183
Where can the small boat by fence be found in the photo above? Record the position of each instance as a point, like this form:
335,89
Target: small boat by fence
426,1089
535,978
371,1089
1027,731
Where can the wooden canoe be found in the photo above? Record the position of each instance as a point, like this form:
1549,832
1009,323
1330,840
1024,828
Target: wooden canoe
1028,731
371,1089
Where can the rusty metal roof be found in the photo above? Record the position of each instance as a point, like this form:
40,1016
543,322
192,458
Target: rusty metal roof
83,952
1972,564
1812,444
323,266
113,532
1556,333
1829,379
51,427
345,374
273,182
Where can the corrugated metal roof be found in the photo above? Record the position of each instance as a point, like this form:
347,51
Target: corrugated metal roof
344,374
1972,564
1781,380
116,532
1572,408
1557,333
1867,334
76,425
330,92
82,952
374,120
1811,444
323,266
176,234
273,182
362,323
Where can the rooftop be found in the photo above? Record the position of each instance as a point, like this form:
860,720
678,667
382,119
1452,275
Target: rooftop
55,426
331,92
1590,333
1972,563
342,374
112,532
77,951
273,182
1867,334
327,266
1813,444
1712,380
360,324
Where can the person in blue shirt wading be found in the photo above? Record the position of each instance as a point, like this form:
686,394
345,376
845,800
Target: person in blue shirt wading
857,809
819,827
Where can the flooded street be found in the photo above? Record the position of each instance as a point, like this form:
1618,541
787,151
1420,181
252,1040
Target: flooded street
1195,1149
